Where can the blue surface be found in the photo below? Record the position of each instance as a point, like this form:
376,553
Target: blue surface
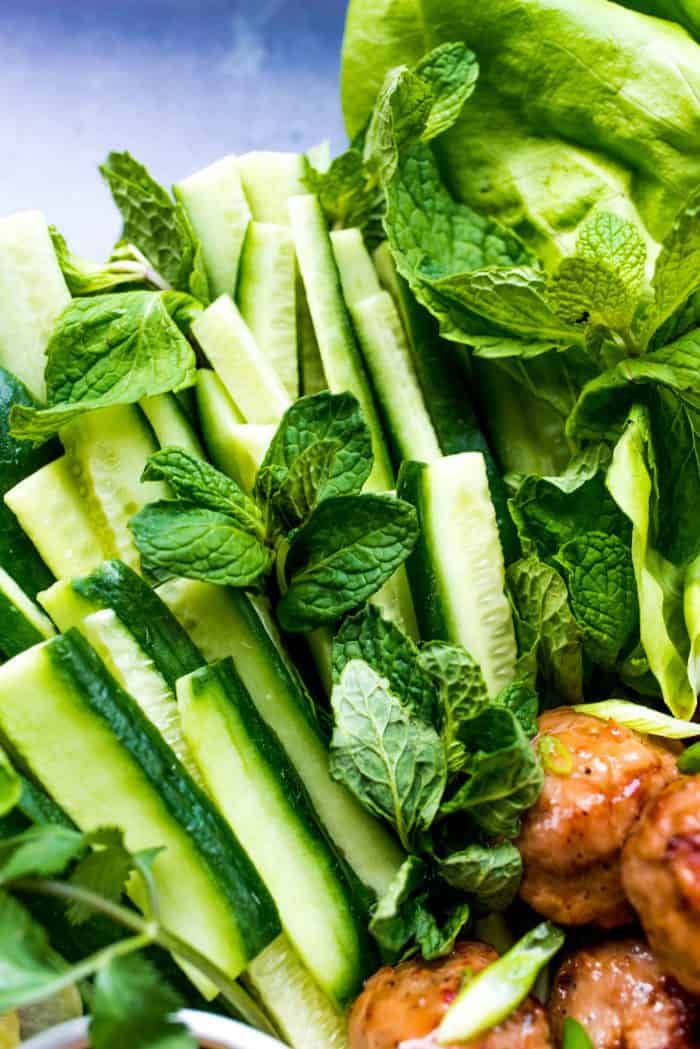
177,82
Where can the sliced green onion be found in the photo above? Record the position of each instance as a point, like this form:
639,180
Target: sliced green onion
556,756
689,761
494,993
575,1036
641,719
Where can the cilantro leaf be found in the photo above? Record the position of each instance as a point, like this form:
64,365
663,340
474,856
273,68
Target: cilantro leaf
461,692
452,71
391,761
196,481
42,850
602,282
156,224
104,870
389,652
176,539
399,119
540,596
488,874
106,350
503,773
29,969
344,553
597,567
132,1006
322,448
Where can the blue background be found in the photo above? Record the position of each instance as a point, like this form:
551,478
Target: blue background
177,82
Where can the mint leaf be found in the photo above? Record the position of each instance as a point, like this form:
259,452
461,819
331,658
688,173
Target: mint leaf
181,540
488,874
598,570
345,552
523,702
452,71
348,194
105,350
132,1006
156,224
461,693
399,118
393,921
391,761
103,871
602,282
29,969
503,773
677,273
389,652
196,481
43,850
89,278
540,596
322,448
437,939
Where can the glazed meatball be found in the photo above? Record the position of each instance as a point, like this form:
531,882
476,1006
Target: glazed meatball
661,875
624,1000
409,1000
572,837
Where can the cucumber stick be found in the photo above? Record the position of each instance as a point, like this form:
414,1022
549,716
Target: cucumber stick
22,623
51,510
358,275
247,772
236,447
170,424
341,358
218,210
210,894
269,180
224,623
456,569
107,451
235,356
33,293
266,297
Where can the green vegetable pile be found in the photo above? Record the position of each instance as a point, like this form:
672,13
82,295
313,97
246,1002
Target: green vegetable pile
316,493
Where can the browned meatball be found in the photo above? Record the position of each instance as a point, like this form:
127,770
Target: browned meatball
409,1001
661,875
624,1000
572,837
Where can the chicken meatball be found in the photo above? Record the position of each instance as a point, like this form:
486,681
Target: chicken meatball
572,837
409,1001
624,1000
661,876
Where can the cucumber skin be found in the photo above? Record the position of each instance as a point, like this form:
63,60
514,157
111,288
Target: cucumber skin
114,585
275,758
16,631
448,397
18,459
78,664
425,587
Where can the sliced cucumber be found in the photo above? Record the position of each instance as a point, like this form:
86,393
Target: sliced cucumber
269,180
210,894
18,459
456,570
248,376
260,795
66,607
170,423
395,601
235,447
341,358
224,623
33,293
107,451
218,210
302,1013
266,297
311,374
447,392
22,623
358,275
51,510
